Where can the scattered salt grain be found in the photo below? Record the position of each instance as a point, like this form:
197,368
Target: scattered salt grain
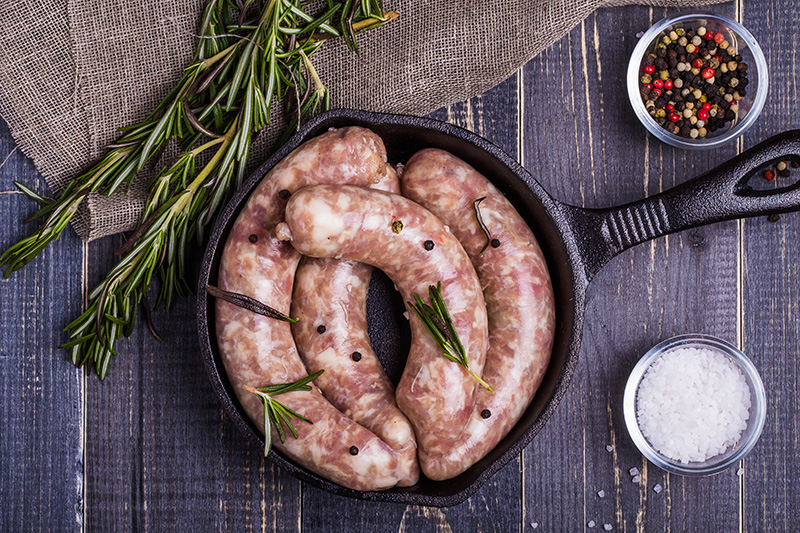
609,448
601,493
633,471
591,523
740,472
657,488
636,479
607,527
692,404
534,525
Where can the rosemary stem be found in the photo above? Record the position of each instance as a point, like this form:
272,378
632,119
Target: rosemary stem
209,168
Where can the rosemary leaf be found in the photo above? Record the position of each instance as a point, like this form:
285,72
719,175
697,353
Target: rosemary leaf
251,304
436,319
277,414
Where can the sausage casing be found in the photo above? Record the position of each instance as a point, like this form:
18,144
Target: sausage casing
517,289
259,351
391,232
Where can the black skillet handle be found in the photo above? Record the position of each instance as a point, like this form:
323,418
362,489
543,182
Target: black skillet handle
721,194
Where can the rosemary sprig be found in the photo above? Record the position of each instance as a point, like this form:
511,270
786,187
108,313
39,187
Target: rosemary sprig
240,69
278,414
436,319
251,304
244,63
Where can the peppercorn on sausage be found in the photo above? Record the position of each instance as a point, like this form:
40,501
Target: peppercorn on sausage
330,303
517,289
258,351
415,250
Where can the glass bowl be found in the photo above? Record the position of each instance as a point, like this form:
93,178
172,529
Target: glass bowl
749,106
734,453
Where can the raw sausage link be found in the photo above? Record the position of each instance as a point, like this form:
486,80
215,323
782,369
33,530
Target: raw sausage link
390,232
518,292
259,351
330,301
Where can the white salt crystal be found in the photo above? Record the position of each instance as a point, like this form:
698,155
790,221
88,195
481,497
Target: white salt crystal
692,404
601,493
534,525
609,448
740,472
607,527
633,471
591,523
657,488
636,479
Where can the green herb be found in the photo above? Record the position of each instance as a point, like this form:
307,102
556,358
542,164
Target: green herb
251,304
476,206
278,414
242,66
436,319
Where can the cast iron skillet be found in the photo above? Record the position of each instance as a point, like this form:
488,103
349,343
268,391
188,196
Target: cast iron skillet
576,242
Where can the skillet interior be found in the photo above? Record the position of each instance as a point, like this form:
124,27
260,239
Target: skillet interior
403,136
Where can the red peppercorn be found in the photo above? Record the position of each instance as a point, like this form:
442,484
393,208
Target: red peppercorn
707,73
706,107
648,86
718,38
668,84
718,57
698,63
769,175
708,36
658,84
669,107
702,114
657,92
649,69
674,117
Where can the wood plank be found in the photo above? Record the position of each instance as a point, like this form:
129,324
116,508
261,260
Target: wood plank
162,454
575,98
496,506
771,329
41,473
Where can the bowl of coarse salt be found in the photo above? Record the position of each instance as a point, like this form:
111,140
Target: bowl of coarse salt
694,405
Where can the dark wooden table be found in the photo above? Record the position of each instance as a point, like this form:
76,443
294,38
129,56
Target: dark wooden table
150,449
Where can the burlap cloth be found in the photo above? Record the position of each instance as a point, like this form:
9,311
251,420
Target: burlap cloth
73,71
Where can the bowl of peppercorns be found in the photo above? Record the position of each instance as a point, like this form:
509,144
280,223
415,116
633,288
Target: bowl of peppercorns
697,80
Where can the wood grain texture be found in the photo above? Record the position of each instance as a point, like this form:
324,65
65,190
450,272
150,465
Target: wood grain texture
164,457
588,149
161,456
41,408
771,293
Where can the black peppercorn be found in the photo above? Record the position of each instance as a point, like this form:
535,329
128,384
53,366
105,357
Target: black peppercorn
321,329
495,243
253,238
353,450
428,245
284,194
486,413
356,356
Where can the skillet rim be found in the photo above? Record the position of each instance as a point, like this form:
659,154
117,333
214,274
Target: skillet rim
567,272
